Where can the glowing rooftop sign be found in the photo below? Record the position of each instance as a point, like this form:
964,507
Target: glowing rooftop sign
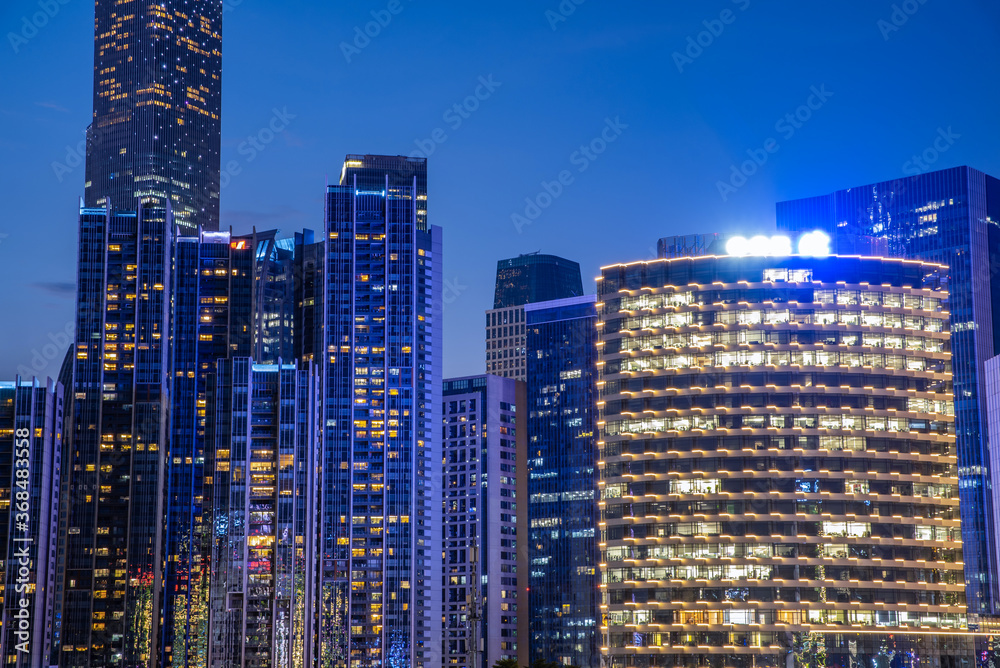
811,244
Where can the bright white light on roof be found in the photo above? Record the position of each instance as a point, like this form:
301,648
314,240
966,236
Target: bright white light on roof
814,244
811,244
759,245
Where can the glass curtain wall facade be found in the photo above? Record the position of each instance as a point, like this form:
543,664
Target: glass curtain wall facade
157,130
308,295
532,278
948,217
212,318
484,465
778,464
381,519
31,444
562,481
525,279
264,427
389,172
114,543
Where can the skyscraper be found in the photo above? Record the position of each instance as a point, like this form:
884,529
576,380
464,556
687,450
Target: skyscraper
381,517
484,436
778,464
949,217
114,543
31,444
562,480
212,317
156,133
525,279
531,278
264,457
308,291
389,173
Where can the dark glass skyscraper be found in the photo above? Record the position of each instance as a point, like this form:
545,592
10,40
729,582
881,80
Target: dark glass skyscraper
949,217
212,318
156,133
121,405
562,480
381,516
531,278
526,279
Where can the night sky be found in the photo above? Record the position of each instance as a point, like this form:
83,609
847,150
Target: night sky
884,84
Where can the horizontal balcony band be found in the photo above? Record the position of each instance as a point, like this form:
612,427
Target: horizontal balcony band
792,561
775,517
931,587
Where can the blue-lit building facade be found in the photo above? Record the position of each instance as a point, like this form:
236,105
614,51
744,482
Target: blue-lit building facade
562,480
381,544
212,319
949,217
265,446
484,438
31,449
114,544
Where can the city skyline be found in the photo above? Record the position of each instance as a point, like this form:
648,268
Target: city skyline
556,96
268,442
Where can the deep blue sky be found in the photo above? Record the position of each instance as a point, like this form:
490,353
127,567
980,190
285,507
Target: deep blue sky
612,60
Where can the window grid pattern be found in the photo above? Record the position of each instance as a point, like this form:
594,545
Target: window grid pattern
751,501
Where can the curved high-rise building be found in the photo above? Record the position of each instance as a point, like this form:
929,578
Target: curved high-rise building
157,128
778,463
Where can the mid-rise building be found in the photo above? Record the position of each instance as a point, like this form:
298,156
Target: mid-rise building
562,480
949,217
31,444
526,279
778,464
114,544
484,439
156,135
264,458
381,515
